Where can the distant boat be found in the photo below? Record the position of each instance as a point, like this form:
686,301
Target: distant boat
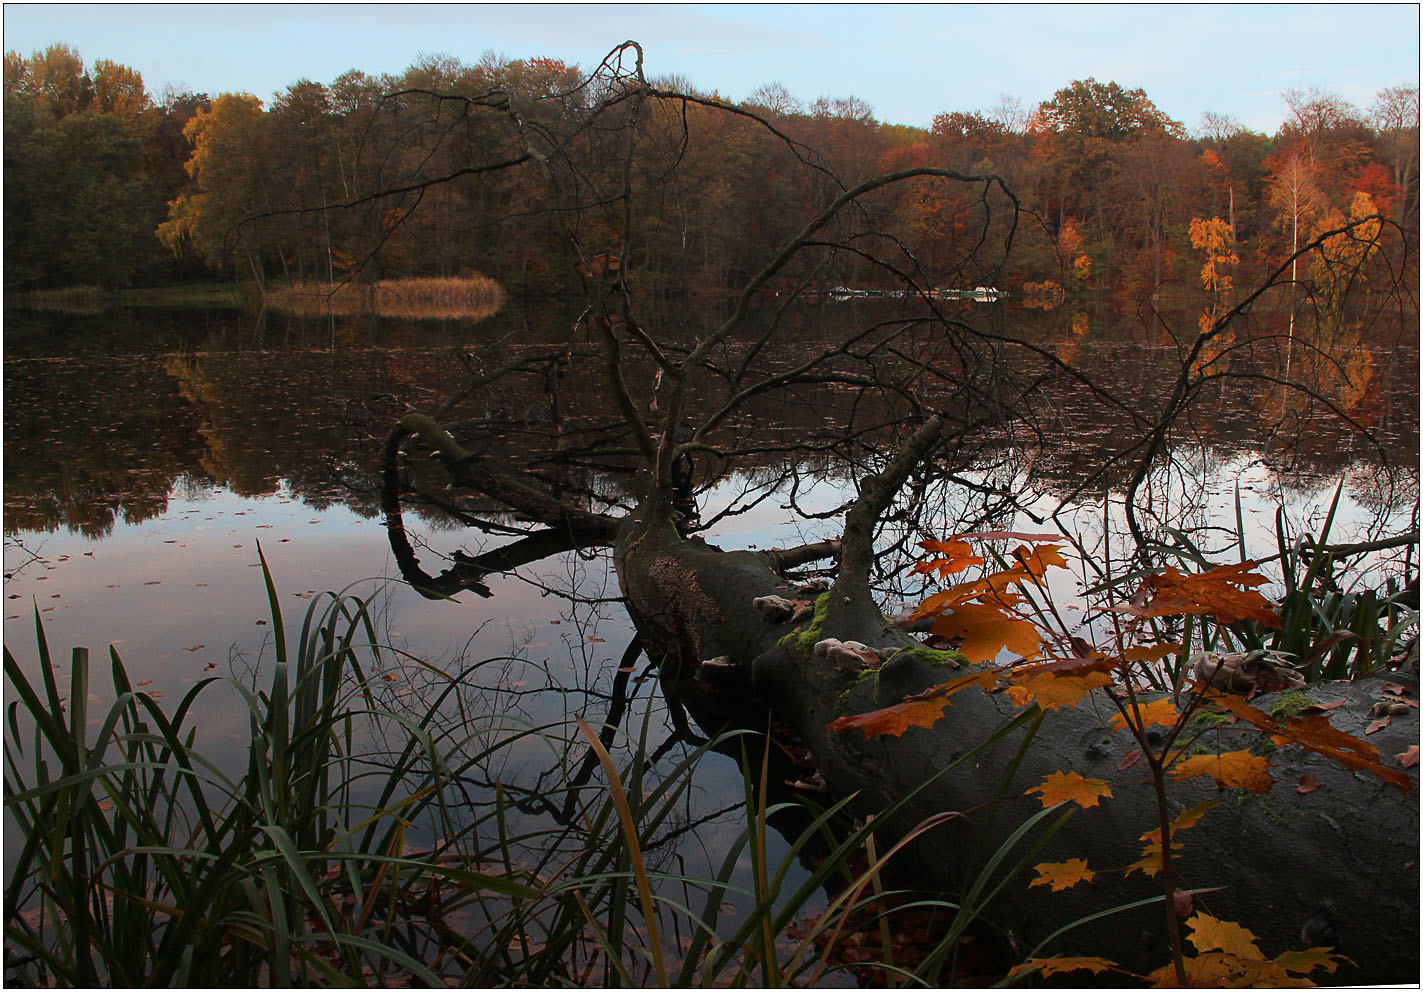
979,294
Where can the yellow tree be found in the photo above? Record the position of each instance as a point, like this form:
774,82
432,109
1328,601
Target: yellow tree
226,168
1216,239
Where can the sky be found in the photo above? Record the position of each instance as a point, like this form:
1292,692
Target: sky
908,61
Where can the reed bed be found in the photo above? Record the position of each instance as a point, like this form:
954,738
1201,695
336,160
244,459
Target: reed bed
142,863
67,299
472,297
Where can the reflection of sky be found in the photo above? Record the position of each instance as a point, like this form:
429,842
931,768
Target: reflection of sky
181,598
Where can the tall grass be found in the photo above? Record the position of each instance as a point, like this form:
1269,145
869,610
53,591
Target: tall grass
472,297
142,863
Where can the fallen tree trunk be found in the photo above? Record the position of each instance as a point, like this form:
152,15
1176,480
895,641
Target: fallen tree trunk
1341,859
1338,862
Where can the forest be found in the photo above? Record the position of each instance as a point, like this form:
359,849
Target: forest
108,185
1171,780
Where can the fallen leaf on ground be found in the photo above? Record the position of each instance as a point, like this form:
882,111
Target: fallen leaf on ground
1308,782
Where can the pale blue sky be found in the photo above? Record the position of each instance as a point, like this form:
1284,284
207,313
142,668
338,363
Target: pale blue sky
908,61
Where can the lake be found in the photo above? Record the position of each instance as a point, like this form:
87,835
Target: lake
150,453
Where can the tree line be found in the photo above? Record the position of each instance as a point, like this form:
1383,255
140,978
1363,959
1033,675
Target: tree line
106,184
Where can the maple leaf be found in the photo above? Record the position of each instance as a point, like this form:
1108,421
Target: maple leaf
921,710
1409,758
1149,864
955,555
1317,734
1303,962
1057,966
1061,787
1036,561
1159,713
1063,874
1213,970
1211,934
986,630
1232,769
1051,691
1224,593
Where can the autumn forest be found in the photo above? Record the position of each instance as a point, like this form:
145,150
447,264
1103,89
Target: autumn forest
775,546
108,185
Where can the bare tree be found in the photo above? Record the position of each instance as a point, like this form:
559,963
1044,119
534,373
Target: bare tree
644,414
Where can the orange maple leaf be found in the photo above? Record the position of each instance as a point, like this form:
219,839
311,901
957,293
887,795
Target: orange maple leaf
1036,561
1050,691
1317,734
1063,874
955,555
1061,787
986,630
1057,966
1225,593
1210,934
921,710
1159,713
1232,769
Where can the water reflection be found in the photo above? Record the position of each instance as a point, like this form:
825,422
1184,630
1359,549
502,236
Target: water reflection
92,440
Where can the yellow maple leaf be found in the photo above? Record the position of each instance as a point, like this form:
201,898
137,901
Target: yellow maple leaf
1159,713
1213,970
1051,691
1303,962
1210,934
1232,769
1061,787
986,630
1149,864
1063,874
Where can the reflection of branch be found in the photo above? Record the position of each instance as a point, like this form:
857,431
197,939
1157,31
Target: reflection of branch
568,527
876,493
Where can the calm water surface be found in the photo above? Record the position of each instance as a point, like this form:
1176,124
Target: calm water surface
148,455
